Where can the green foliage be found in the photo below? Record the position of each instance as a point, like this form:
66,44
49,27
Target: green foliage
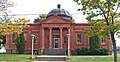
88,51
95,48
20,44
94,44
2,39
103,51
107,12
40,18
83,51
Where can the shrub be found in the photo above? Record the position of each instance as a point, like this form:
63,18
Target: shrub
87,51
94,44
104,51
20,44
82,51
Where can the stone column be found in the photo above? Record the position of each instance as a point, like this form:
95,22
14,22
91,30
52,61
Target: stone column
43,40
50,38
43,37
29,40
61,38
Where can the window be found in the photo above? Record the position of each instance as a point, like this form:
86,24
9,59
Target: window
79,42
14,37
65,39
103,41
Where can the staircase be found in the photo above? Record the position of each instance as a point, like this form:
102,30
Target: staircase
52,51
51,54
50,58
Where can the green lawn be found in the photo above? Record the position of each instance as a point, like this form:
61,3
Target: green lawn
107,58
27,58
15,58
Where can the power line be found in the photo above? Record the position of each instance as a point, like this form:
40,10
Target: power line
32,14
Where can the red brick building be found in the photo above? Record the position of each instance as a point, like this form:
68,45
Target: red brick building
51,35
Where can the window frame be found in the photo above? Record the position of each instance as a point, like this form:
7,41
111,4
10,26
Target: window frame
79,39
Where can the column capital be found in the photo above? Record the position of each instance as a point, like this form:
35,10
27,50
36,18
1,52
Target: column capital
49,27
68,27
60,27
43,27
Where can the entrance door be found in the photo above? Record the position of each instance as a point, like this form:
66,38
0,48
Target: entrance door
56,42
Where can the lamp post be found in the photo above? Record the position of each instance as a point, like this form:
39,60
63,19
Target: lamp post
33,36
68,35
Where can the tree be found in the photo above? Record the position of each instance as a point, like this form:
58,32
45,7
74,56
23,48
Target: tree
4,5
8,26
40,18
106,24
16,27
20,43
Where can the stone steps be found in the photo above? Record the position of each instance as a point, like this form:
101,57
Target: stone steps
50,58
53,51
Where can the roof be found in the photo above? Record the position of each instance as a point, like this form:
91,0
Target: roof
60,12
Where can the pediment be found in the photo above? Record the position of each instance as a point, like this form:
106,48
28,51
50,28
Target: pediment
56,19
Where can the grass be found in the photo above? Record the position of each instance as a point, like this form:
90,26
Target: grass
15,58
27,58
107,58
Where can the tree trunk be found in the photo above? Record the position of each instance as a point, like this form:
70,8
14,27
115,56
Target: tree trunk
114,46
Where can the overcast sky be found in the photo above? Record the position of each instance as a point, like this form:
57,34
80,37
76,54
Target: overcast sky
45,6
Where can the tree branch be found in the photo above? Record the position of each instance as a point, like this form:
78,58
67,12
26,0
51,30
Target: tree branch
106,19
108,9
116,8
114,14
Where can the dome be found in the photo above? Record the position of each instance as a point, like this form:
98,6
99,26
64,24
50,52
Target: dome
60,12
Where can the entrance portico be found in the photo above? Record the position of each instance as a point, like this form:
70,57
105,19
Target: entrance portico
53,37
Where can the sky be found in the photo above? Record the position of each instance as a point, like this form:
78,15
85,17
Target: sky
44,7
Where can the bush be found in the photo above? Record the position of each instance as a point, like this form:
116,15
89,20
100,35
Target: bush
87,51
94,44
20,44
104,51
82,51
